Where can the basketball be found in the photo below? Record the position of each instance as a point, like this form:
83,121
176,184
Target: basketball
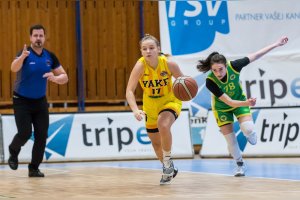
185,88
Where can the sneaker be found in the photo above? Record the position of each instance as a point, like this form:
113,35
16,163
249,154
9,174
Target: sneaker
168,174
175,172
240,169
35,173
13,162
165,179
252,138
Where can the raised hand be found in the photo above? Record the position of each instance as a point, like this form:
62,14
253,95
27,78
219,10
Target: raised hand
282,41
25,52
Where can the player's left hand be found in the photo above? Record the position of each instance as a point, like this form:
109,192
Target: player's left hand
139,114
282,41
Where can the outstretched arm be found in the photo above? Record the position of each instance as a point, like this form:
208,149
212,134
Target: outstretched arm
254,56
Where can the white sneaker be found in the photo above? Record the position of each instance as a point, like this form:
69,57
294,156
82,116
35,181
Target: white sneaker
240,169
165,179
252,138
168,174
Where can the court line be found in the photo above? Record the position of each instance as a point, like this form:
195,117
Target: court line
177,196
140,168
205,173
58,171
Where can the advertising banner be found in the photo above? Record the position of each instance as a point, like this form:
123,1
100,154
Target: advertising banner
191,30
278,134
100,136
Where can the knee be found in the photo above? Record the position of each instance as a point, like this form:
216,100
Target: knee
24,136
247,127
156,145
162,127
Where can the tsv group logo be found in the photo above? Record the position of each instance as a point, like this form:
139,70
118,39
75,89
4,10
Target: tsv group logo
193,24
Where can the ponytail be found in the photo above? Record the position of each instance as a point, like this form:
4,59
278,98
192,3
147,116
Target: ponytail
165,54
214,57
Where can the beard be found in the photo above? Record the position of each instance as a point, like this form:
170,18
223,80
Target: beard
38,44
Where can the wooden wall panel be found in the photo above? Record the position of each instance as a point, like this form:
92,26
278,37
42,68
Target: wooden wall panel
58,17
110,43
61,39
151,20
6,37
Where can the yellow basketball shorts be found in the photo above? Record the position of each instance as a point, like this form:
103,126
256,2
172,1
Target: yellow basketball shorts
154,106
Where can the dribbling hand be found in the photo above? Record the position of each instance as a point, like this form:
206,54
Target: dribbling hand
139,114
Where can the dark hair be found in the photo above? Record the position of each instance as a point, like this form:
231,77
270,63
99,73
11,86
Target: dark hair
214,57
37,27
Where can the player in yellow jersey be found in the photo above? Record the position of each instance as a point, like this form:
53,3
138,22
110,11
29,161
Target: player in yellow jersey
160,107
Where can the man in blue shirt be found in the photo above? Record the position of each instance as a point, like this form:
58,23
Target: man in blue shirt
34,66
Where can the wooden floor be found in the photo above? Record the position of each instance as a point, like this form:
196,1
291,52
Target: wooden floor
140,180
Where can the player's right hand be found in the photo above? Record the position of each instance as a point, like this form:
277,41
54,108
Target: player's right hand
252,101
25,52
139,114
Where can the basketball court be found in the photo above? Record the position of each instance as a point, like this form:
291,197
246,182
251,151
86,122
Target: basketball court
98,43
273,178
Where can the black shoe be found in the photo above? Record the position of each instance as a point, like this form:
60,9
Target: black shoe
13,162
35,173
175,172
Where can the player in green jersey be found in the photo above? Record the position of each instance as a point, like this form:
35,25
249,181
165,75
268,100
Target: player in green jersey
228,98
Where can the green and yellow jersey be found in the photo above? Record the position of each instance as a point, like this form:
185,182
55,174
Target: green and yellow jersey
231,87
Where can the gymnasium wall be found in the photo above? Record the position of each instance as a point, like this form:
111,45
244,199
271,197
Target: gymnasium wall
96,136
111,30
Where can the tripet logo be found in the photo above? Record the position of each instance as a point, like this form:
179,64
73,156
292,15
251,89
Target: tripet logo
110,135
273,90
58,136
285,131
193,24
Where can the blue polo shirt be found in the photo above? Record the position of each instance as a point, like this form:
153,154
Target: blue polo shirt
30,82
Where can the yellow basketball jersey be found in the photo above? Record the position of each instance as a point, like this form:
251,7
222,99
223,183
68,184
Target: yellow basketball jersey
156,82
158,94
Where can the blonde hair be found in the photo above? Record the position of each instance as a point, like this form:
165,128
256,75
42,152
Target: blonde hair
151,37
